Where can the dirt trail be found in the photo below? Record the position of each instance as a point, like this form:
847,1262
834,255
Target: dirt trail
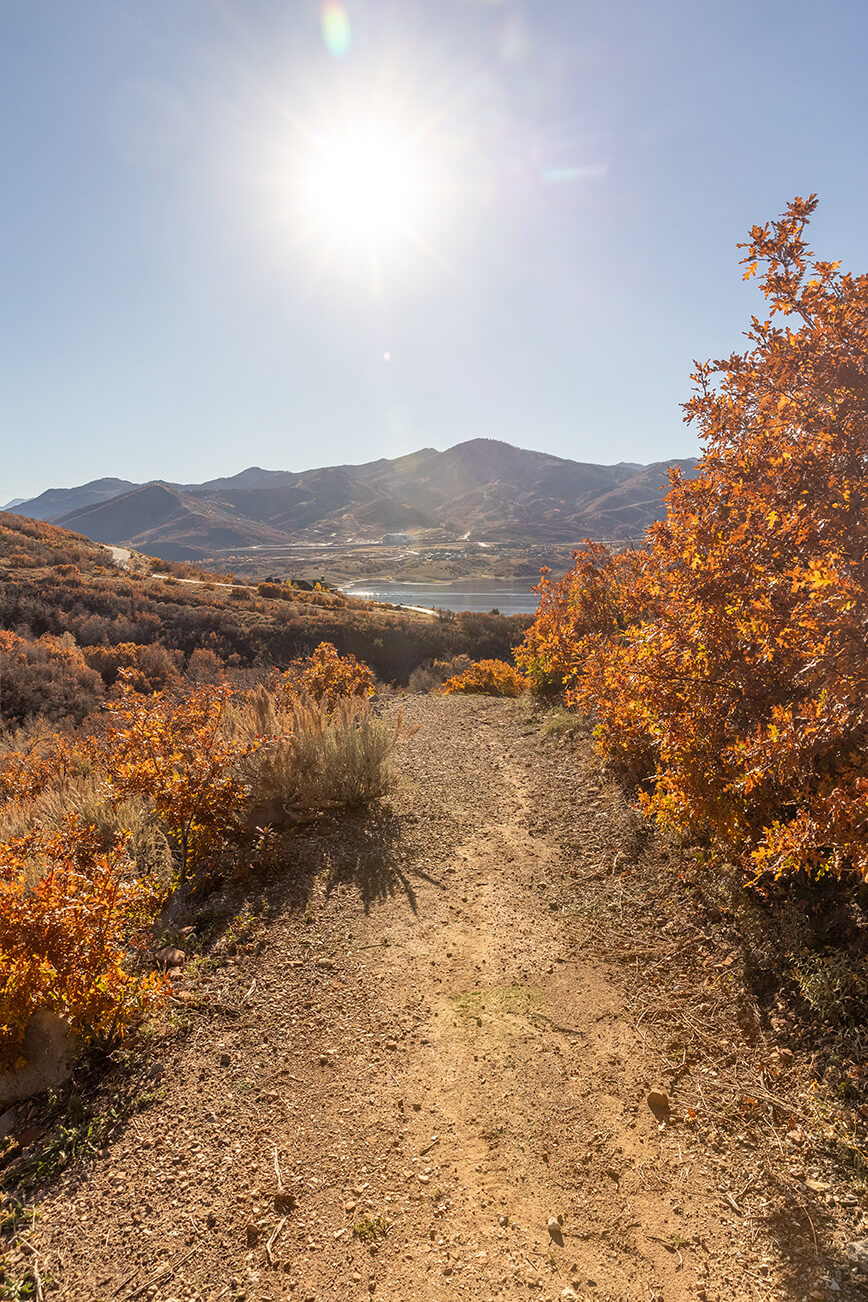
421,1066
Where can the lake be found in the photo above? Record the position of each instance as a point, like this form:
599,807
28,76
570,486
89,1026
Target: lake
509,596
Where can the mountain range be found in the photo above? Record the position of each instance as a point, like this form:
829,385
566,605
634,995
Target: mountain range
482,489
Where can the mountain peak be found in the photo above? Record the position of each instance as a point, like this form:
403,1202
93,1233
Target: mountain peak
484,485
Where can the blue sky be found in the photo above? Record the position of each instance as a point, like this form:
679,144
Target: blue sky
172,307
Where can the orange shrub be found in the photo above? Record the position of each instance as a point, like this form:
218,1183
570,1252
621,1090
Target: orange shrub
487,678
24,774
64,940
151,667
171,747
734,676
327,677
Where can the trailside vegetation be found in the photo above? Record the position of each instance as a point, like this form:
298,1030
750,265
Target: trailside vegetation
486,678
203,770
726,662
74,623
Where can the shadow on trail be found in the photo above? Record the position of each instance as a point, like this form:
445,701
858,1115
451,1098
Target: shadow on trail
370,855
800,1223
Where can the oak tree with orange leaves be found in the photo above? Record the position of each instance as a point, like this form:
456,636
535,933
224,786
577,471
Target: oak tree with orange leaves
734,672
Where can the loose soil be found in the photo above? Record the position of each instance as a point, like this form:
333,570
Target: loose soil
418,1067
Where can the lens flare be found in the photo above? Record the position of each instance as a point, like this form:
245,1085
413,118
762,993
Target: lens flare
335,24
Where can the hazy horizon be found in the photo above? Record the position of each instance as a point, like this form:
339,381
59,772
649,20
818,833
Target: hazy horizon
303,470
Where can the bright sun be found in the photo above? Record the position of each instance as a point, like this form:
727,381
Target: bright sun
364,185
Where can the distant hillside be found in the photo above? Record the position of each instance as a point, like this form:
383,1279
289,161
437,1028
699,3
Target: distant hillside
484,489
158,519
55,502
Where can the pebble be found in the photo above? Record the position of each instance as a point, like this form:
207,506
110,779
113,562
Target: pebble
658,1102
857,1251
225,1060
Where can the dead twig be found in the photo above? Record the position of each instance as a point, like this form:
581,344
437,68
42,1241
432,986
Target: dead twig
273,1239
34,1266
157,1277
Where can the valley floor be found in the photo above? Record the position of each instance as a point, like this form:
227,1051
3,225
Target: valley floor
421,1051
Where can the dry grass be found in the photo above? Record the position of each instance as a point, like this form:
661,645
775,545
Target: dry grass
312,760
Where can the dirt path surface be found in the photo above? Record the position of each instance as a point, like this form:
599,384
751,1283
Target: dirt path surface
411,1076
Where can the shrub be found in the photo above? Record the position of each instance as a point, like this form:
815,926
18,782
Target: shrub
434,673
834,984
171,747
488,678
730,674
342,756
327,678
300,757
151,667
45,677
64,939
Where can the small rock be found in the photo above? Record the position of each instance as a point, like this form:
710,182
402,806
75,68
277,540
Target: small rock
503,1221
325,1060
252,1236
225,1060
658,1102
858,1254
169,956
817,1186
325,963
391,1045
569,1295
553,1225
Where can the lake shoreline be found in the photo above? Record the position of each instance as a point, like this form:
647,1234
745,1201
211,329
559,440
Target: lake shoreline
506,596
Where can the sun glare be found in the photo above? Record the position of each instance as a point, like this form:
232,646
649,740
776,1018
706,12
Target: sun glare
365,185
